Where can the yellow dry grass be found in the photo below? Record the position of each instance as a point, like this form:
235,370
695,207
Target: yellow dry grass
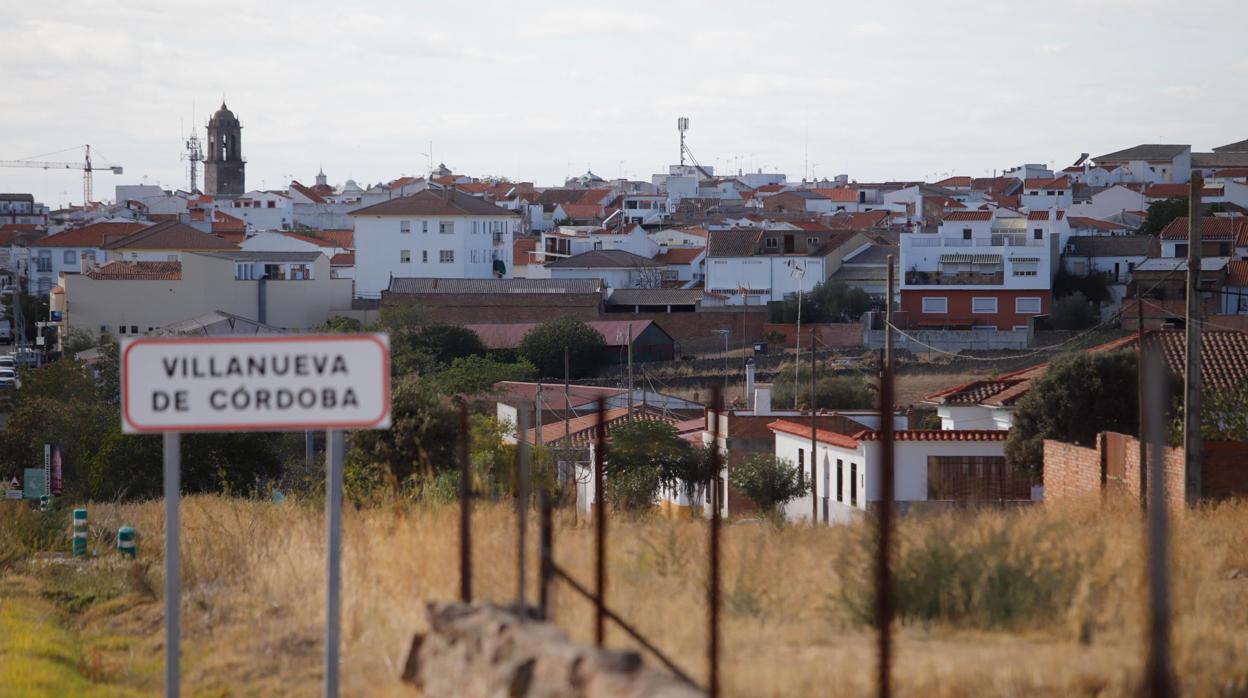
254,589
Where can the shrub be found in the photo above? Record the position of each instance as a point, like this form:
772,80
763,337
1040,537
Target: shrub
768,481
831,391
543,347
1073,312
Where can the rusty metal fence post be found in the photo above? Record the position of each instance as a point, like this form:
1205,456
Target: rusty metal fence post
1159,677
546,567
600,526
883,570
465,509
713,582
522,506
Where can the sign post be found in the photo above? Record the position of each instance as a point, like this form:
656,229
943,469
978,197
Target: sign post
270,383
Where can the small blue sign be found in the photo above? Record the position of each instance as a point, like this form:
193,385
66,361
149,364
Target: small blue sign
57,316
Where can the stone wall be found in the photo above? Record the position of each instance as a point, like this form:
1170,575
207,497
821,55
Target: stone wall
483,650
830,334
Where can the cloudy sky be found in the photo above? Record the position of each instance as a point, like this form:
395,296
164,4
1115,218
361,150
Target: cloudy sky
537,91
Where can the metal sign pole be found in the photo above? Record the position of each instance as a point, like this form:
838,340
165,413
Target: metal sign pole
173,563
333,573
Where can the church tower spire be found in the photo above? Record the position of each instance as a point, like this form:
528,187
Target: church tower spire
224,166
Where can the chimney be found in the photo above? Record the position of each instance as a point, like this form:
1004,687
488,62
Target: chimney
446,194
762,401
86,262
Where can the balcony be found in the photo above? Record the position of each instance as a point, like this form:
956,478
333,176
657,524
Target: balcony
961,278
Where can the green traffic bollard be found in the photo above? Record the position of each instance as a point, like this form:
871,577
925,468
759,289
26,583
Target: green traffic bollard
80,532
125,541
44,502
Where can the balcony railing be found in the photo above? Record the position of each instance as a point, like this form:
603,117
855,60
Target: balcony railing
993,241
961,278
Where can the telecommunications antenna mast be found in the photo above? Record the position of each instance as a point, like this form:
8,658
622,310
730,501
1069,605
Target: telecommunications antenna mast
682,125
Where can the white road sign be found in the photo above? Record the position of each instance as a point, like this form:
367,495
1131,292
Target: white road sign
271,383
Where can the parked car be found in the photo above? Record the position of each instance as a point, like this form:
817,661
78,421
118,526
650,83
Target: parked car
7,361
8,379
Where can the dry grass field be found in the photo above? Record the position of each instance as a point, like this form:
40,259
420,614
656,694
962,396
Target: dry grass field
1041,602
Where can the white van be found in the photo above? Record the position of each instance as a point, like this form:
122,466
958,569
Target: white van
6,331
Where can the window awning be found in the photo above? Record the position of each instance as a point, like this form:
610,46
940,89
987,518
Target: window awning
970,259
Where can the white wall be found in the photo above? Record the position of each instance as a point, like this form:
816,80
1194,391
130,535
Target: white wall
379,245
1109,202
763,273
63,260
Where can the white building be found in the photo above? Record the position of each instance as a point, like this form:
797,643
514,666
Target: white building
431,234
570,240
68,251
1152,163
937,467
616,268
261,210
754,267
22,209
1046,193
1110,201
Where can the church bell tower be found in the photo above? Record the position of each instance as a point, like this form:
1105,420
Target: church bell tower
223,166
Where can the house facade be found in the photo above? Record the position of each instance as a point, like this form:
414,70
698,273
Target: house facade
71,251
431,234
755,267
982,269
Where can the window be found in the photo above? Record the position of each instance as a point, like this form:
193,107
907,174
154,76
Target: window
1034,193
1224,249
405,256
121,329
69,256
1037,234
771,242
935,305
134,329
1180,250
424,226
405,226
840,480
424,256
812,241
1018,328
446,227
446,256
44,261
966,233
1050,193
983,305
853,484
975,478
472,256
1027,306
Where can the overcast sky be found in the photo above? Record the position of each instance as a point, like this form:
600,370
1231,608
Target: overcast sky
536,91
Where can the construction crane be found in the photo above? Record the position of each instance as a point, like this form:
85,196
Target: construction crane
87,167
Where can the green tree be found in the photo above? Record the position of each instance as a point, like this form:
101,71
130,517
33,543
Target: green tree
543,347
832,392
829,301
1073,312
768,481
1080,395
1161,212
340,324
1094,287
476,375
445,343
645,455
422,436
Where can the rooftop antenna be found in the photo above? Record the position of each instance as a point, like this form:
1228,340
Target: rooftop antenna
195,150
682,125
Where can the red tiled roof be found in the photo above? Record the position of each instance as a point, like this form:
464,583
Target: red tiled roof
968,216
1062,182
473,187
582,210
223,222
821,435
680,255
1097,223
232,237
1211,228
810,226
520,249
862,220
137,271
1232,172
594,196
940,435
94,235
316,198
955,181
313,238
1044,215
170,235
342,259
1168,191
770,188
433,203
1237,273
840,194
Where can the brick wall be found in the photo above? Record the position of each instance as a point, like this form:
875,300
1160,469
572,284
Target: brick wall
1070,471
500,307
694,332
831,334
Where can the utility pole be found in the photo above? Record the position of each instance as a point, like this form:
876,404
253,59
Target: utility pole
883,571
1191,373
630,371
797,351
537,415
814,441
567,398
1139,394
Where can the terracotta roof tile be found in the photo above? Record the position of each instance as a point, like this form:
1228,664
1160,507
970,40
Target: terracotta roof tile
968,216
940,435
137,271
342,259
170,235
94,235
680,255
847,195
1044,215
1169,191
1211,228
821,435
434,203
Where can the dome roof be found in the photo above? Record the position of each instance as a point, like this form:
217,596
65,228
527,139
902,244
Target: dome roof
223,114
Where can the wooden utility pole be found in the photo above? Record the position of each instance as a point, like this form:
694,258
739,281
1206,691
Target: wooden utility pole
814,442
1140,394
630,371
1191,372
883,571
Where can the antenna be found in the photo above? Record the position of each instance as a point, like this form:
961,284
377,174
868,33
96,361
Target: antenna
682,125
194,151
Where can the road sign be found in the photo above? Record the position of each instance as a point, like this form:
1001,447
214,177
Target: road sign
34,483
274,383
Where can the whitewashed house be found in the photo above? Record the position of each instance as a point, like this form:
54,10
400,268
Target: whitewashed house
261,210
431,234
936,468
1152,162
755,267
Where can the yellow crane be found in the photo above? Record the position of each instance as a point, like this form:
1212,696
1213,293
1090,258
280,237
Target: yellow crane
87,166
